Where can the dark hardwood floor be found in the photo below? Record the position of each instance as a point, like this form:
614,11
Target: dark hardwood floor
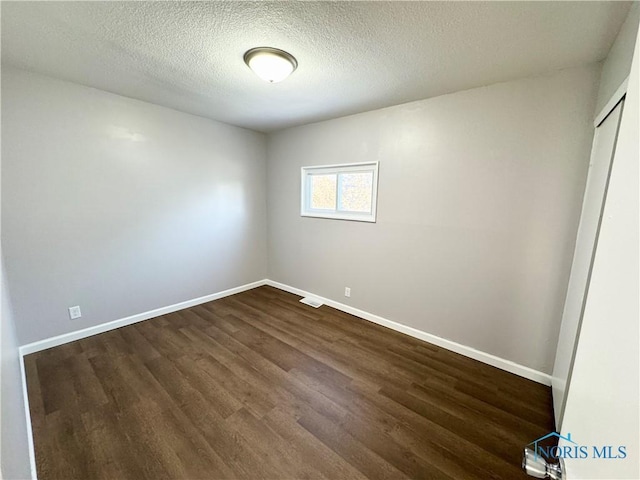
257,385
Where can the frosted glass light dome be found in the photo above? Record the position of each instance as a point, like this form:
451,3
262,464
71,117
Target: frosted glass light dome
270,64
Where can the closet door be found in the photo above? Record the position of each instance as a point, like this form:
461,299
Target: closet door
604,141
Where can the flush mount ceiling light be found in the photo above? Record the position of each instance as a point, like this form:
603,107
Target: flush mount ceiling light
270,64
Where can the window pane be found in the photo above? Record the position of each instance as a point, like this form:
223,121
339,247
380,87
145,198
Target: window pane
323,192
345,192
355,192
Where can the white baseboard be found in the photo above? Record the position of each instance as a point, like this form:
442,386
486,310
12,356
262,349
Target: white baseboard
105,327
470,352
123,322
487,358
27,413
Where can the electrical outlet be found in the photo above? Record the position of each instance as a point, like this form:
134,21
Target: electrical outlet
74,312
347,292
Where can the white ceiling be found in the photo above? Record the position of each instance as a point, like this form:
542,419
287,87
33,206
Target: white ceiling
353,56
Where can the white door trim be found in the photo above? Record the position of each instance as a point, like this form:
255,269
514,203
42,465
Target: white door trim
611,104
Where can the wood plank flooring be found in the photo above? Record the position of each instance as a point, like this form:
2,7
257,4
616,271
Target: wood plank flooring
257,385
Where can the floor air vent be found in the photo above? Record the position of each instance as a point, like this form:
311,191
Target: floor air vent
312,302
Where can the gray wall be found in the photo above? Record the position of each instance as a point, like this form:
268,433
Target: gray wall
617,65
121,206
478,205
15,450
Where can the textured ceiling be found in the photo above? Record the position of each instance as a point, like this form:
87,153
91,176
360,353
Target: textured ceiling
353,56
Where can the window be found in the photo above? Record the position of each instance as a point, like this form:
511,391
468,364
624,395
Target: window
345,192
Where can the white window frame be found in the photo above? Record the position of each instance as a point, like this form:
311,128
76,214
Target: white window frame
305,191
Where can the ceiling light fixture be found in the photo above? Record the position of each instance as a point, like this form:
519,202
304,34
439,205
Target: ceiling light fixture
270,64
